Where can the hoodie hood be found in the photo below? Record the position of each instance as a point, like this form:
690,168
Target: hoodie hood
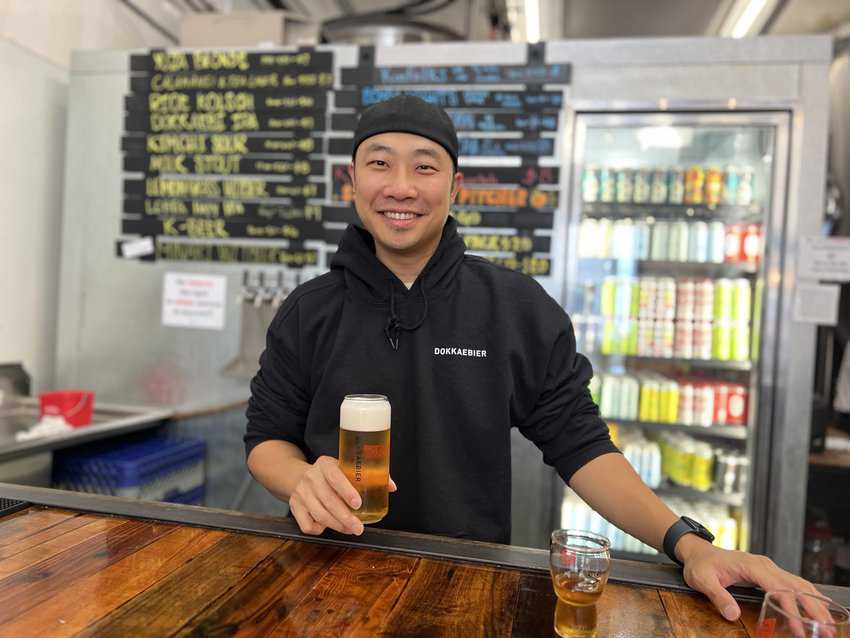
369,280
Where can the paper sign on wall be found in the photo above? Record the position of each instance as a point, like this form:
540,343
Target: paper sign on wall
826,258
193,301
816,303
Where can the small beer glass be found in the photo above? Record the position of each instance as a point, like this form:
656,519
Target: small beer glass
791,614
579,563
364,452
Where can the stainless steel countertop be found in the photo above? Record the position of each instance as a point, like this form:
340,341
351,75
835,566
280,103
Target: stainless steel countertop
107,420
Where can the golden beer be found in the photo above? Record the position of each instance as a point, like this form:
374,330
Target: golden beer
364,452
579,563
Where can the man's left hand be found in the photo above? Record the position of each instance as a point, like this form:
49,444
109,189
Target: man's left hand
710,570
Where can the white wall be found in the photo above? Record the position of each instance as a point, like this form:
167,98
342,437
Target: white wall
36,40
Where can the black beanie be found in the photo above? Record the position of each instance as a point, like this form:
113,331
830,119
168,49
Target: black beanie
408,114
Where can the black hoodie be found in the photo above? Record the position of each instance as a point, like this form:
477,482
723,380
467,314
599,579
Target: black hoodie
471,350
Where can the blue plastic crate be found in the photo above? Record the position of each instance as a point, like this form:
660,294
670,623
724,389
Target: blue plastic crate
148,466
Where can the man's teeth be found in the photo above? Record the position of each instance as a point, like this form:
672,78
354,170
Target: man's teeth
393,215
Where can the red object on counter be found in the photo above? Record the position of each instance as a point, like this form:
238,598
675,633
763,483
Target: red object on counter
75,406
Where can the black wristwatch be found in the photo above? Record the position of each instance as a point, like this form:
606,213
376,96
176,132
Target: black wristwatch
684,525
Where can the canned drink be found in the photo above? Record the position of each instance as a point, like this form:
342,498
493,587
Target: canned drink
702,340
730,186
669,401
734,242
642,240
634,297
679,238
676,186
716,242
713,186
751,244
744,196
610,391
645,337
642,185
623,299
741,300
606,234
703,405
607,185
588,242
737,410
685,299
658,194
686,403
609,337
660,241
721,341
721,402
702,467
666,298
724,294
608,299
650,400
623,242
590,184
364,452
647,302
591,335
683,347
698,242
665,336
704,300
740,350
632,338
629,397
695,185
625,185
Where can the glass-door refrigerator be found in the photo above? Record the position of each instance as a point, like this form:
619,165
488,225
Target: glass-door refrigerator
672,284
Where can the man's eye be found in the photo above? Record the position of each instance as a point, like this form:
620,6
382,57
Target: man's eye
378,163
426,167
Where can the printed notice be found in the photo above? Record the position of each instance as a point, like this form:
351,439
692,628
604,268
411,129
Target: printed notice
193,301
825,258
816,303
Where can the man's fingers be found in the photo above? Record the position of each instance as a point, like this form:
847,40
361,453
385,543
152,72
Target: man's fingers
719,597
303,518
337,507
392,486
321,515
341,485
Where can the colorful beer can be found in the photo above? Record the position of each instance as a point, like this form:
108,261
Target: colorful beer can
629,397
642,240
658,194
686,402
642,185
724,293
695,185
738,406
679,237
607,185
676,186
659,245
740,341
702,467
716,242
703,404
588,243
721,342
608,301
609,393
713,186
741,300
744,196
665,337
648,289
609,337
721,401
751,244
730,186
704,300
632,338
625,185
734,242
650,400
685,299
666,298
683,347
645,337
702,340
669,401
698,242
590,184
606,236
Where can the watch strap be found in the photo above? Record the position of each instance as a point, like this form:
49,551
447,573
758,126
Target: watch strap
678,529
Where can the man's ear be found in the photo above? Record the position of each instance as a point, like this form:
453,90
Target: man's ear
351,174
457,184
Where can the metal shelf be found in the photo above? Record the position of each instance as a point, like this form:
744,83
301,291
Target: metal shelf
678,268
712,364
726,432
753,213
669,489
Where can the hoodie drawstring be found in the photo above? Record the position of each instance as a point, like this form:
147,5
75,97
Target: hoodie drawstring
394,325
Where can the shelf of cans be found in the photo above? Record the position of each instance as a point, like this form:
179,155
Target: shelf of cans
698,185
681,240
665,317
723,521
649,397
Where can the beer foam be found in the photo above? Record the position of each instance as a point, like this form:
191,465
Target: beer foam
365,413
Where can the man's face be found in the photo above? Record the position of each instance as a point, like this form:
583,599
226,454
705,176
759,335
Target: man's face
404,185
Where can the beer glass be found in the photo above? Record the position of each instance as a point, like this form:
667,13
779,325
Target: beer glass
579,563
790,614
364,452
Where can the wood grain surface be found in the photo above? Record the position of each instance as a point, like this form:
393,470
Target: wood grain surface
64,573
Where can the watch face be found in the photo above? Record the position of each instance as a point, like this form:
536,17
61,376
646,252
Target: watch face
699,528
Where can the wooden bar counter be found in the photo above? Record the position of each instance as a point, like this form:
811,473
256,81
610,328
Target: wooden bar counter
78,564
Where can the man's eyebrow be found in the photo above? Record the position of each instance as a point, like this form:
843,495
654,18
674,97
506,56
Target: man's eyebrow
377,146
430,152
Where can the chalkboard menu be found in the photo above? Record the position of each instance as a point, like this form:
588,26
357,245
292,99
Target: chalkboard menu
240,156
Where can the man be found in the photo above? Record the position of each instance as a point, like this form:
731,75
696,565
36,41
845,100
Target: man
464,350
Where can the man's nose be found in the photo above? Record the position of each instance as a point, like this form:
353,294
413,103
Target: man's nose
400,186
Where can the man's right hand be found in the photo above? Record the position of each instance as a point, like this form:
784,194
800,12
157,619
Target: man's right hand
324,498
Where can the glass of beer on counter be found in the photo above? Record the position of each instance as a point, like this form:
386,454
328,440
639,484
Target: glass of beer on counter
793,614
364,452
579,563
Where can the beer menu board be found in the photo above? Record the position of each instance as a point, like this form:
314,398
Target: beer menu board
241,156
223,149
